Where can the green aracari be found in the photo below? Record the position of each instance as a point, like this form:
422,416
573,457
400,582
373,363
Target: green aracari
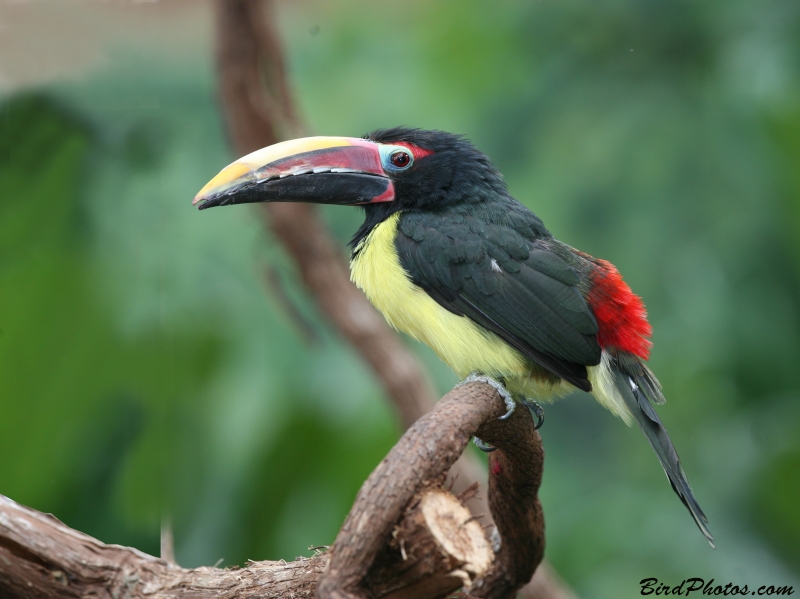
451,259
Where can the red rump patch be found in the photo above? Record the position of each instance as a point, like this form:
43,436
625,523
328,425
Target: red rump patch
415,150
621,315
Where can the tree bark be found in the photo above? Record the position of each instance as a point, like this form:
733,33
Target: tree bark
41,558
440,546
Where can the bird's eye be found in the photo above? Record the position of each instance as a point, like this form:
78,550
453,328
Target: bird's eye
400,159
396,158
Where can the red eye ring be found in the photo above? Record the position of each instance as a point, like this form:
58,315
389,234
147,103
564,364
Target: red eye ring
400,159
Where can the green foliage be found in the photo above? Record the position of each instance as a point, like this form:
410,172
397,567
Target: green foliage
776,497
317,484
146,367
91,418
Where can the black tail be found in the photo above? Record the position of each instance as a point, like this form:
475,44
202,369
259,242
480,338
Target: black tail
635,387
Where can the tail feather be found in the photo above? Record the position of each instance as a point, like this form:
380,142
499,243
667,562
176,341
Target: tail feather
635,388
641,375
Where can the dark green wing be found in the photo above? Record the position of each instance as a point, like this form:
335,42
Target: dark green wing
509,281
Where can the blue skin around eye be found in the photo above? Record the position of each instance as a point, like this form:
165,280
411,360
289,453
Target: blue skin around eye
386,155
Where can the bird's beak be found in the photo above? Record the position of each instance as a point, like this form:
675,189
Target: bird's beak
320,170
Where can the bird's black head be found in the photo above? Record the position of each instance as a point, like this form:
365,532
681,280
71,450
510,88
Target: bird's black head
386,171
443,171
447,170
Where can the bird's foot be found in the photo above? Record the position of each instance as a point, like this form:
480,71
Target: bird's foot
482,445
511,405
537,410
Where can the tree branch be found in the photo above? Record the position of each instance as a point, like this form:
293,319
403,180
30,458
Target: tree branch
405,536
428,450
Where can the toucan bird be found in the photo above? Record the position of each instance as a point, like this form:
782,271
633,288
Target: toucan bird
450,258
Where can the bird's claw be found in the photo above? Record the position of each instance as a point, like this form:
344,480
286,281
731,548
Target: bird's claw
482,445
498,386
537,410
511,405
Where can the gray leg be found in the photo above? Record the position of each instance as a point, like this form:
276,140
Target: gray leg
511,405
536,409
482,445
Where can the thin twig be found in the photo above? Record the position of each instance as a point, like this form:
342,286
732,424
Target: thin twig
167,540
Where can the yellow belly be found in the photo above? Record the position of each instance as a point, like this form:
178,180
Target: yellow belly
462,344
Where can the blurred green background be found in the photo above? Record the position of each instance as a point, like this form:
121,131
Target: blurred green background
147,366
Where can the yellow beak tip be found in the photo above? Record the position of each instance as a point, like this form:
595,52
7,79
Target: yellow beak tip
231,176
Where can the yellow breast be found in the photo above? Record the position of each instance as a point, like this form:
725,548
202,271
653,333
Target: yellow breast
462,344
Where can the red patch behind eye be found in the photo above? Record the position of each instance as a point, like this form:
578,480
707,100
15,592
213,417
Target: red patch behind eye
415,150
621,315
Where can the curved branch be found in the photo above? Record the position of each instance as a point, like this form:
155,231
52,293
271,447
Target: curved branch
515,474
426,452
400,539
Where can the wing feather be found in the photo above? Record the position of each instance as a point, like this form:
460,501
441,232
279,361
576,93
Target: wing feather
512,285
